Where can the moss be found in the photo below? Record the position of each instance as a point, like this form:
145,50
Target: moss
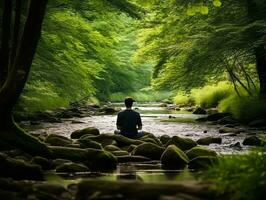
182,143
149,150
200,151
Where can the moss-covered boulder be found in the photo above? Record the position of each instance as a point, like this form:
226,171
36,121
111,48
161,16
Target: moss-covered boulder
90,131
200,151
149,150
125,141
131,148
57,140
111,148
199,111
174,158
182,143
71,168
209,140
225,129
43,162
103,139
59,161
120,153
18,169
202,162
132,159
165,138
253,141
88,143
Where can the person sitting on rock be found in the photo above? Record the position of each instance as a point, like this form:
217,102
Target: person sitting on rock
129,121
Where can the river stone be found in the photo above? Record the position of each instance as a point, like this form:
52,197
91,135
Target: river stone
229,130
131,148
50,191
90,130
87,143
111,148
18,169
60,161
200,151
130,159
217,116
71,168
149,150
209,140
174,158
253,141
165,138
43,162
199,111
182,143
103,139
120,153
202,162
57,140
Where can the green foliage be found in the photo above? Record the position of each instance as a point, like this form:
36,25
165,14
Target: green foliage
211,95
183,99
240,176
244,108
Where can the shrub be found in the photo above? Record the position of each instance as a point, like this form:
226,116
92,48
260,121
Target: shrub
183,99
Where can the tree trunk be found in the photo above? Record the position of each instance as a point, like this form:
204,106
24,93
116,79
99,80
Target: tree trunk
260,54
22,53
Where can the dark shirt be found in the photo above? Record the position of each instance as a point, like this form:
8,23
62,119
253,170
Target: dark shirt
128,120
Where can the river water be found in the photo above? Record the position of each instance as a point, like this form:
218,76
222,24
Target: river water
155,120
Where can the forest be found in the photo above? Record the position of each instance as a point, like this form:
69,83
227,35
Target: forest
196,69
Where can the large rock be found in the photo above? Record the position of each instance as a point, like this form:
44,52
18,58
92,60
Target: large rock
149,150
174,158
209,140
258,123
217,116
111,148
90,130
18,169
120,153
225,129
58,140
164,138
72,168
199,111
87,143
50,191
127,159
253,141
182,143
43,162
200,151
202,162
103,139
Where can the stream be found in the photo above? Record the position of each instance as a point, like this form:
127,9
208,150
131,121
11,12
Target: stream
155,120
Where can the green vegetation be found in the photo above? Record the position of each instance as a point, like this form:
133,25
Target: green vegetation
240,176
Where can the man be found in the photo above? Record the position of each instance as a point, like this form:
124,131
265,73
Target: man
128,121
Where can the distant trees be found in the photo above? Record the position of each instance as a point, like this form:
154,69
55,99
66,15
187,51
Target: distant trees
20,32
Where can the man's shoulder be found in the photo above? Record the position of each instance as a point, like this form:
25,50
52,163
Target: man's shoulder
128,111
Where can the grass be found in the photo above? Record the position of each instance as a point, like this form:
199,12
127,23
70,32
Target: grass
240,176
180,120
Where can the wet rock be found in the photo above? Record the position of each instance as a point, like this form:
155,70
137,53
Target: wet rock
87,143
51,191
258,123
130,159
217,116
90,130
209,140
149,150
253,141
174,158
108,110
228,120
202,162
71,168
103,139
111,148
18,169
236,146
211,111
200,151
229,130
77,122
199,111
120,153
182,143
205,131
131,148
57,140
124,141
165,138
43,162
60,161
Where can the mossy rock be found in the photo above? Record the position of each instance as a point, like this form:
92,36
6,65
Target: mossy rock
182,143
18,169
209,140
132,159
71,168
57,140
131,148
202,162
90,130
125,141
174,158
253,141
59,161
87,143
149,150
225,129
111,148
200,151
103,139
43,162
165,138
120,153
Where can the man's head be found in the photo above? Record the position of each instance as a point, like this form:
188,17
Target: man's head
129,102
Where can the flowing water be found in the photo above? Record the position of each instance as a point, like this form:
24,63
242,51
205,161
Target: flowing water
155,119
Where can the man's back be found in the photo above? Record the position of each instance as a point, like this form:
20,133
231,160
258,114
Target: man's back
128,120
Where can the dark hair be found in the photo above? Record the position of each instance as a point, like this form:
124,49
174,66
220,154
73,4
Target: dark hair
129,102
